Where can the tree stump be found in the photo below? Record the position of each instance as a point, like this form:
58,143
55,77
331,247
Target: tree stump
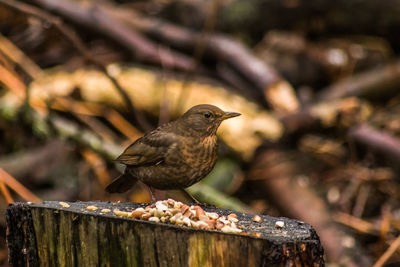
58,234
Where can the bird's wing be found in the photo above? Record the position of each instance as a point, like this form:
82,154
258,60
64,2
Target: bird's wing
149,149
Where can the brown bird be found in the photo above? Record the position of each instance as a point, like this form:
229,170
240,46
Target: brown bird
175,155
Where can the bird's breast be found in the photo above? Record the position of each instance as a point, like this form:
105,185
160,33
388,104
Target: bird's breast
200,155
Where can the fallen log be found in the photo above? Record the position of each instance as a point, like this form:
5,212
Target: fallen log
71,234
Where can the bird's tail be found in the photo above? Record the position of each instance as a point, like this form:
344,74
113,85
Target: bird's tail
121,184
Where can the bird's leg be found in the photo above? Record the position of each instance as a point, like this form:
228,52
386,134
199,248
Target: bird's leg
186,193
156,194
153,198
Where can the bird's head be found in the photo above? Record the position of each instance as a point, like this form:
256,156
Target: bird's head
205,119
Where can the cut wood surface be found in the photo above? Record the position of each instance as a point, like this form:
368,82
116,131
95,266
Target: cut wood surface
68,234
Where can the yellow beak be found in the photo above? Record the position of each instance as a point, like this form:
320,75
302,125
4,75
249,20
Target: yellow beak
229,115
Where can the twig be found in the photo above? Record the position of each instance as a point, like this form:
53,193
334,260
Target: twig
128,102
69,129
85,114
379,141
377,82
98,165
6,193
16,55
355,223
93,109
97,126
388,253
361,200
17,187
12,82
385,226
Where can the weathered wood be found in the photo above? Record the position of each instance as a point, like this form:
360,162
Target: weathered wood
21,236
51,235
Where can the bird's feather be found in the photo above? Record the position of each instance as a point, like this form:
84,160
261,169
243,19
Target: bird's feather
150,149
121,184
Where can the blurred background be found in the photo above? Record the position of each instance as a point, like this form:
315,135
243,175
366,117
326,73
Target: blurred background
317,83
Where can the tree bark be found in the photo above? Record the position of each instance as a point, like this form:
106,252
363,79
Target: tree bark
49,234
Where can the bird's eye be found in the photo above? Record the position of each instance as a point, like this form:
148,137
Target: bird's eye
207,115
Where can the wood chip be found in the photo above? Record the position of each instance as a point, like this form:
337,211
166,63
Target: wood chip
91,207
257,218
279,224
105,210
64,204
